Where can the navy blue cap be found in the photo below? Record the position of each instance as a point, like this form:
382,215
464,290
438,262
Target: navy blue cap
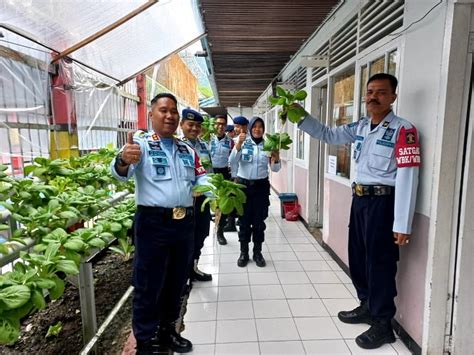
229,128
191,115
241,120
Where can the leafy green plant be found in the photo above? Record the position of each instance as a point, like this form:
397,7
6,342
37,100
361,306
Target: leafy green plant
276,142
226,195
286,99
54,330
208,128
124,248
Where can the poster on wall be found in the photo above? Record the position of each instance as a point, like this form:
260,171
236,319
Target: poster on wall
332,164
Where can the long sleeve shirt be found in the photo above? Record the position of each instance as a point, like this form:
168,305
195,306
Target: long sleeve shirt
386,155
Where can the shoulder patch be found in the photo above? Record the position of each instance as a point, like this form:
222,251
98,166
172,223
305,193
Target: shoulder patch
407,149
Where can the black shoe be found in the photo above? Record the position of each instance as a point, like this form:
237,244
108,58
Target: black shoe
220,238
145,348
172,340
357,315
198,275
230,226
243,259
379,333
259,260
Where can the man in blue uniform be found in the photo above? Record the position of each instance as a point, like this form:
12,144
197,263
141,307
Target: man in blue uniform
191,122
165,170
387,158
221,146
252,170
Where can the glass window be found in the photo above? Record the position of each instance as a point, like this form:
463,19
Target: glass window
377,66
363,90
342,113
300,139
392,62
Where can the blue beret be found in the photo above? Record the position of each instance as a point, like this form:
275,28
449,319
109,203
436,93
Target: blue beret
241,120
191,115
229,128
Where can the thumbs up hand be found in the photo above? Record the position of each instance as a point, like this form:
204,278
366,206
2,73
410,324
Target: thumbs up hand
131,153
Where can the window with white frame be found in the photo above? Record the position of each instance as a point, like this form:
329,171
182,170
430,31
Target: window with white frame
339,162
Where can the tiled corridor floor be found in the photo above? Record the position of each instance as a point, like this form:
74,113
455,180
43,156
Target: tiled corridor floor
288,307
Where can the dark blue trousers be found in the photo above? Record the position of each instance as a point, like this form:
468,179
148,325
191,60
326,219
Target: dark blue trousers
163,254
373,255
252,225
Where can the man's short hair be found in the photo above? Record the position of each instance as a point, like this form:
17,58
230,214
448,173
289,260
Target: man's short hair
162,95
221,116
385,76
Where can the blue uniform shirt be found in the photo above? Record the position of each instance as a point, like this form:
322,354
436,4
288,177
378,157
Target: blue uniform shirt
388,155
252,161
220,151
164,177
202,149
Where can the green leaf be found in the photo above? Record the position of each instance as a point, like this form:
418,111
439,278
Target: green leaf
15,296
294,116
9,330
274,100
202,188
38,299
75,244
281,92
300,95
58,290
45,283
117,250
67,266
73,255
54,330
67,215
96,242
115,227
3,249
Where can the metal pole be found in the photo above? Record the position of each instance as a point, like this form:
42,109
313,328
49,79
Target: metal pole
87,298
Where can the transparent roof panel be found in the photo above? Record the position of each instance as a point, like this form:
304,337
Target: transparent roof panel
145,39
61,24
138,43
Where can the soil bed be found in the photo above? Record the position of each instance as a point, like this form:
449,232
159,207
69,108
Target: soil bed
112,278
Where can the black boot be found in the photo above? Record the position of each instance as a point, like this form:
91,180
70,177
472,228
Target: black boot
379,333
257,255
167,336
230,226
144,348
244,254
198,275
220,236
357,315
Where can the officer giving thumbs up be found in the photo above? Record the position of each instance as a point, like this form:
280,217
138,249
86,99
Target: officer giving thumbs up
165,170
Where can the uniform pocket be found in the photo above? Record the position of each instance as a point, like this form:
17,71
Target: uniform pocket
160,173
380,157
188,174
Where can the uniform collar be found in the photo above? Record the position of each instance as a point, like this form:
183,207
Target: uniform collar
384,123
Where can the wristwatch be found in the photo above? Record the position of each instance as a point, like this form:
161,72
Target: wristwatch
120,161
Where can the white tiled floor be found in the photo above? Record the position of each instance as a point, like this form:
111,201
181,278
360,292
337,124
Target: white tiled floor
288,307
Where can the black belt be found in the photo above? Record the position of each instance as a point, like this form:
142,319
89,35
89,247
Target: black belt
252,182
372,190
168,212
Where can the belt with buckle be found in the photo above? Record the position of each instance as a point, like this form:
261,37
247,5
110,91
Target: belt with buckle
252,182
173,213
372,190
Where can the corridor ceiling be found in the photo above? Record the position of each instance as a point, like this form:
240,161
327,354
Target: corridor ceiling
250,41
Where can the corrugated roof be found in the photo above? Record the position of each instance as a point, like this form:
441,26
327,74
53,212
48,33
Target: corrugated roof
251,40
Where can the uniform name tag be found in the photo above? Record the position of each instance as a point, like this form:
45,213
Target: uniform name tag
160,161
187,160
388,135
